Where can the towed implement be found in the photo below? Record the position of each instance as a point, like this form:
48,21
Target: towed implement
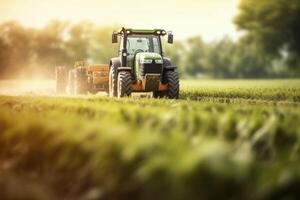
139,67
82,79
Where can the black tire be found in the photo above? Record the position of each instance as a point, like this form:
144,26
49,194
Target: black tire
80,80
172,79
124,84
61,79
113,82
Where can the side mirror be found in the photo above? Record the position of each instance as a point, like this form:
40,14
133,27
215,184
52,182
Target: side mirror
170,38
114,38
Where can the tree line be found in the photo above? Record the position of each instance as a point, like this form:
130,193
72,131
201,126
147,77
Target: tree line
269,47
27,52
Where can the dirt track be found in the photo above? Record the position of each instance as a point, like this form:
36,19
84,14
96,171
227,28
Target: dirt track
39,88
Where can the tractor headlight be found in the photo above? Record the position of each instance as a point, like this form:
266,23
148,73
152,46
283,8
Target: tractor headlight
145,61
158,61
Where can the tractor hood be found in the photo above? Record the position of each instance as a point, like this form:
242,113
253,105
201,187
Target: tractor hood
147,58
152,62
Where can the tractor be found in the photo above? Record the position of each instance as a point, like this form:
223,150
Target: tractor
139,67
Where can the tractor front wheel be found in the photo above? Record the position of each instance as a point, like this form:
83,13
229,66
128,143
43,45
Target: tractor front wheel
124,84
172,79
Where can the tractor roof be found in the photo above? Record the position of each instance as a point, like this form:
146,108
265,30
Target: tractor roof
131,31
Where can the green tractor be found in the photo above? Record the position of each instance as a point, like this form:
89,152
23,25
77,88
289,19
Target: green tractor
141,65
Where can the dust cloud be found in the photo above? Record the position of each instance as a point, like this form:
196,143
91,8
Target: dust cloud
27,87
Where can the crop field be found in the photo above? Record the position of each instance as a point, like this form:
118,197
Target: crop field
220,140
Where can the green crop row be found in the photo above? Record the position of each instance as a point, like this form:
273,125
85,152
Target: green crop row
268,90
139,148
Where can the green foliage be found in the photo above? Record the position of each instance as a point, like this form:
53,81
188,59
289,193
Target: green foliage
15,47
193,56
49,48
175,51
224,59
139,148
26,52
29,52
101,48
273,26
219,59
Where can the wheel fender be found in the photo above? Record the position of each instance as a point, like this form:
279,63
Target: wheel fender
168,65
124,69
170,68
116,62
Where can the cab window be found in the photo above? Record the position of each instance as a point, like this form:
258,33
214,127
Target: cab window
141,43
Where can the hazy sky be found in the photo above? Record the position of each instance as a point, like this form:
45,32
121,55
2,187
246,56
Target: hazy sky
210,18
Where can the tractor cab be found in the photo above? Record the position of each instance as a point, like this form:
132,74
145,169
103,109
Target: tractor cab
137,45
142,64
134,41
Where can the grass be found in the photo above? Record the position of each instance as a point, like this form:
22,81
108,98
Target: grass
222,140
268,90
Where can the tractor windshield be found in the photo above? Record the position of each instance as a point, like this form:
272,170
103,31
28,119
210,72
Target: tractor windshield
143,43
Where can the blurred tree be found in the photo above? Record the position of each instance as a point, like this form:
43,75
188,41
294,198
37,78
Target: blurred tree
176,53
16,48
218,61
194,55
31,51
101,47
78,41
50,47
273,25
246,62
4,55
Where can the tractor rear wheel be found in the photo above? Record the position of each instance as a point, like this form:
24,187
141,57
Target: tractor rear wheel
172,79
124,84
113,81
80,80
61,79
